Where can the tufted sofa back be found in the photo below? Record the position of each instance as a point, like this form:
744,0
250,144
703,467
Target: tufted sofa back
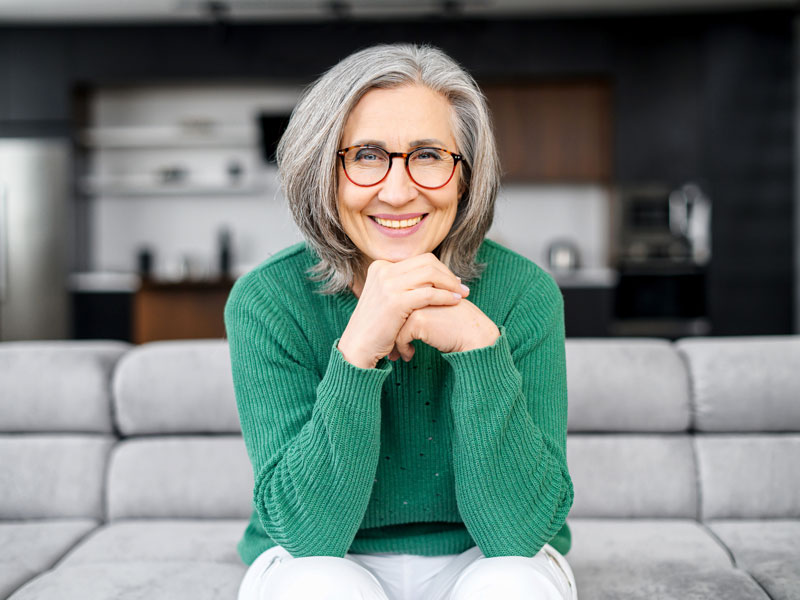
181,453
705,428
746,413
629,447
56,430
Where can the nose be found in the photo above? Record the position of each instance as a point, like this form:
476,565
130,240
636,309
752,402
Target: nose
397,189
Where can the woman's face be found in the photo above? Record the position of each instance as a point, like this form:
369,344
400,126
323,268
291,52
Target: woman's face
398,120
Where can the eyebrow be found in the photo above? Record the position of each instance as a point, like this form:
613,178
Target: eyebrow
412,144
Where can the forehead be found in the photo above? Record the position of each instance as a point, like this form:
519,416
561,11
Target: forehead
398,116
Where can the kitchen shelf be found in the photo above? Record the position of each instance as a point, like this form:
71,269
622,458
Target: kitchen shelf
128,190
169,137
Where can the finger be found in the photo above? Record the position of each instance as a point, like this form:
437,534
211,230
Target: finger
436,276
417,271
426,268
429,296
394,354
403,343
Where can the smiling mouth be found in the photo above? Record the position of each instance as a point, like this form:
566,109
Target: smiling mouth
404,224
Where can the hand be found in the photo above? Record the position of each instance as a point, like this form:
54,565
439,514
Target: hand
456,328
391,293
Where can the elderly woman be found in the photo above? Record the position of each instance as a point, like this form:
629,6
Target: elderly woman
439,476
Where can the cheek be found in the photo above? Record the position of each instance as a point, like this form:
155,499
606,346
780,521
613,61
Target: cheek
351,203
448,202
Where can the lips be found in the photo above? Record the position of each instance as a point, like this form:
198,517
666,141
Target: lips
399,231
403,217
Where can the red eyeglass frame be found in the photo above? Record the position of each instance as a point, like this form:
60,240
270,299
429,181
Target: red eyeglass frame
404,155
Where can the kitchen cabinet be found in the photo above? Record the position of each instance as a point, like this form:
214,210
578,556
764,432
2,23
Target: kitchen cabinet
553,131
101,315
180,310
34,90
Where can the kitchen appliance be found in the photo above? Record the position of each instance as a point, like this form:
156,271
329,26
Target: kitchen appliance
661,249
655,224
563,256
34,220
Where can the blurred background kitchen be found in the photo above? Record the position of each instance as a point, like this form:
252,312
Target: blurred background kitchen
648,146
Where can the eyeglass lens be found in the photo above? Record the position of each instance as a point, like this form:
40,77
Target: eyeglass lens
428,167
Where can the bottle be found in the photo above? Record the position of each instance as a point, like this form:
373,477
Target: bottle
144,262
224,246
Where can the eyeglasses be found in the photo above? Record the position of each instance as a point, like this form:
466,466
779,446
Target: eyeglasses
429,168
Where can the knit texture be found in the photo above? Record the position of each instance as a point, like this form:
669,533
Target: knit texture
428,457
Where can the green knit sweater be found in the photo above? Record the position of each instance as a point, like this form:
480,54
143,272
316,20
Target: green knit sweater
429,457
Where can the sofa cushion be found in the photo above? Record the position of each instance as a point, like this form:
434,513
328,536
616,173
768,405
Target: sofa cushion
630,475
749,476
59,386
671,581
755,541
780,577
28,548
610,542
626,385
182,476
45,476
177,580
204,540
182,386
744,383
768,549
12,577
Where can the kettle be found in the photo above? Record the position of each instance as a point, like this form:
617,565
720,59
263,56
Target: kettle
690,217
563,256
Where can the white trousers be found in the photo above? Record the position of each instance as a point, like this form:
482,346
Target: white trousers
276,575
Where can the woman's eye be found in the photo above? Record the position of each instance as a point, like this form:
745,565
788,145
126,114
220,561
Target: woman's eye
427,155
367,156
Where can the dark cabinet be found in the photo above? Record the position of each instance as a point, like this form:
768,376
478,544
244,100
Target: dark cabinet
102,315
588,311
34,83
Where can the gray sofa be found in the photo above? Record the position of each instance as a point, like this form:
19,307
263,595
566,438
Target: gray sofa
123,474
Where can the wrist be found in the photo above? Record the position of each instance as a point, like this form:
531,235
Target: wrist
355,358
483,341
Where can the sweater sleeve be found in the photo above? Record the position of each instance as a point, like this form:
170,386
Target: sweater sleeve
509,407
313,439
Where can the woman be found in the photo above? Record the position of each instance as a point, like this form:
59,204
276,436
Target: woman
439,476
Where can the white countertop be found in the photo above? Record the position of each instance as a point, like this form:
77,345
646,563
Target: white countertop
104,281
110,281
603,277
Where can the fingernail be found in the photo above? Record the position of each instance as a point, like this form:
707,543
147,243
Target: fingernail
457,296
465,288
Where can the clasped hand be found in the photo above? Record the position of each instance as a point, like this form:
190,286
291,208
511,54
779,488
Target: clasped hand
418,298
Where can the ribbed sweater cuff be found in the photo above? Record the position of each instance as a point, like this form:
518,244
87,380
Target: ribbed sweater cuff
487,372
345,380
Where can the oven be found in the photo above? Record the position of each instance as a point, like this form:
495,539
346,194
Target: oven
661,252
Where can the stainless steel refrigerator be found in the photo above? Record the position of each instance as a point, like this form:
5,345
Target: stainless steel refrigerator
34,238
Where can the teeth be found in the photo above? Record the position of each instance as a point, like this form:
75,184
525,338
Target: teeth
399,224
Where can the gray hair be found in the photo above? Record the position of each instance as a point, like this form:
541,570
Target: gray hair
314,133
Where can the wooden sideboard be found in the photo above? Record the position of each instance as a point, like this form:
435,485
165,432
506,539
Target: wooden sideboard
181,310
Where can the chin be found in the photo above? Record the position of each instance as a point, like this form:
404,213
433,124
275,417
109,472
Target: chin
396,256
